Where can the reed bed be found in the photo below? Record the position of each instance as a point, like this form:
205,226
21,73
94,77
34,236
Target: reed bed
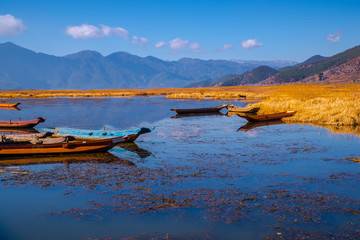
337,105
321,104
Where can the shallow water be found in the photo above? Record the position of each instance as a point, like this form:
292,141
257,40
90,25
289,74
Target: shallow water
199,177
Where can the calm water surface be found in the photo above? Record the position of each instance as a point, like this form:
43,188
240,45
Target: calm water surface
199,177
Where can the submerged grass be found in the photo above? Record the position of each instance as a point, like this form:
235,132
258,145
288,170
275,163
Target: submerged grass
318,104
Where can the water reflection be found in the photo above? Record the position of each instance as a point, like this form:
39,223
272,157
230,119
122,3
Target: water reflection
11,108
67,159
352,129
205,175
133,147
251,125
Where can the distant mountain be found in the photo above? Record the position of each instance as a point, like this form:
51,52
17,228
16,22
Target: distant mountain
211,82
251,77
303,72
348,72
313,59
21,68
273,64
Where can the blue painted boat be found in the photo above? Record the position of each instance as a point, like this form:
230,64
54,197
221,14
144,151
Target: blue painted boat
129,135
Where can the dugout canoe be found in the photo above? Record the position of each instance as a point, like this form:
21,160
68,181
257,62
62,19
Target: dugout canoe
129,135
75,146
9,105
21,124
266,117
232,108
199,110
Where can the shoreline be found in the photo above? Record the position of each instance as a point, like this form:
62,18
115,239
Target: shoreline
337,105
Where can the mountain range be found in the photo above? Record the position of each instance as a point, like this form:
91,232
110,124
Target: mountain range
21,68
341,68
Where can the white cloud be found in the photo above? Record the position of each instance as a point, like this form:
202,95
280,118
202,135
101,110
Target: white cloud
178,43
86,31
195,46
225,47
139,40
115,31
334,37
251,43
9,25
160,44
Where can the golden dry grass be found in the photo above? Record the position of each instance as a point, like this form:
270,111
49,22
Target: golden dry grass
336,105
321,104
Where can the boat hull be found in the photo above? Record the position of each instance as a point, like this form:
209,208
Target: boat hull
59,148
9,105
128,135
266,117
21,124
199,110
232,108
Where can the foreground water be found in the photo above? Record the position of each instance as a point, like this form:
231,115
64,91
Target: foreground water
199,177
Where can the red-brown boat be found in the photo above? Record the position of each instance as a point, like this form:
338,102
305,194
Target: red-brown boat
199,110
75,146
9,105
21,124
266,117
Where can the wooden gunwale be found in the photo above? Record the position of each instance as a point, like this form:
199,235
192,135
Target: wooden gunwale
199,110
9,105
62,148
21,124
266,117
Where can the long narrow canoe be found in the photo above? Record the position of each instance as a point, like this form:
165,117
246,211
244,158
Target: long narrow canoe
9,105
21,124
75,146
232,108
183,115
199,110
266,117
131,135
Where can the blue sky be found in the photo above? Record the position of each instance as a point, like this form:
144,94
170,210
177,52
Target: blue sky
243,30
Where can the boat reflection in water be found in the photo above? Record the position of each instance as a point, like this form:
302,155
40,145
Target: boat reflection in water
11,108
66,159
251,125
134,148
182,115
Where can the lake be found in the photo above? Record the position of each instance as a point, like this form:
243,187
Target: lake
197,177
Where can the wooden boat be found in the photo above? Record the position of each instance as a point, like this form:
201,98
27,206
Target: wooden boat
200,110
232,108
9,105
75,146
21,124
16,131
32,138
266,117
182,115
129,135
